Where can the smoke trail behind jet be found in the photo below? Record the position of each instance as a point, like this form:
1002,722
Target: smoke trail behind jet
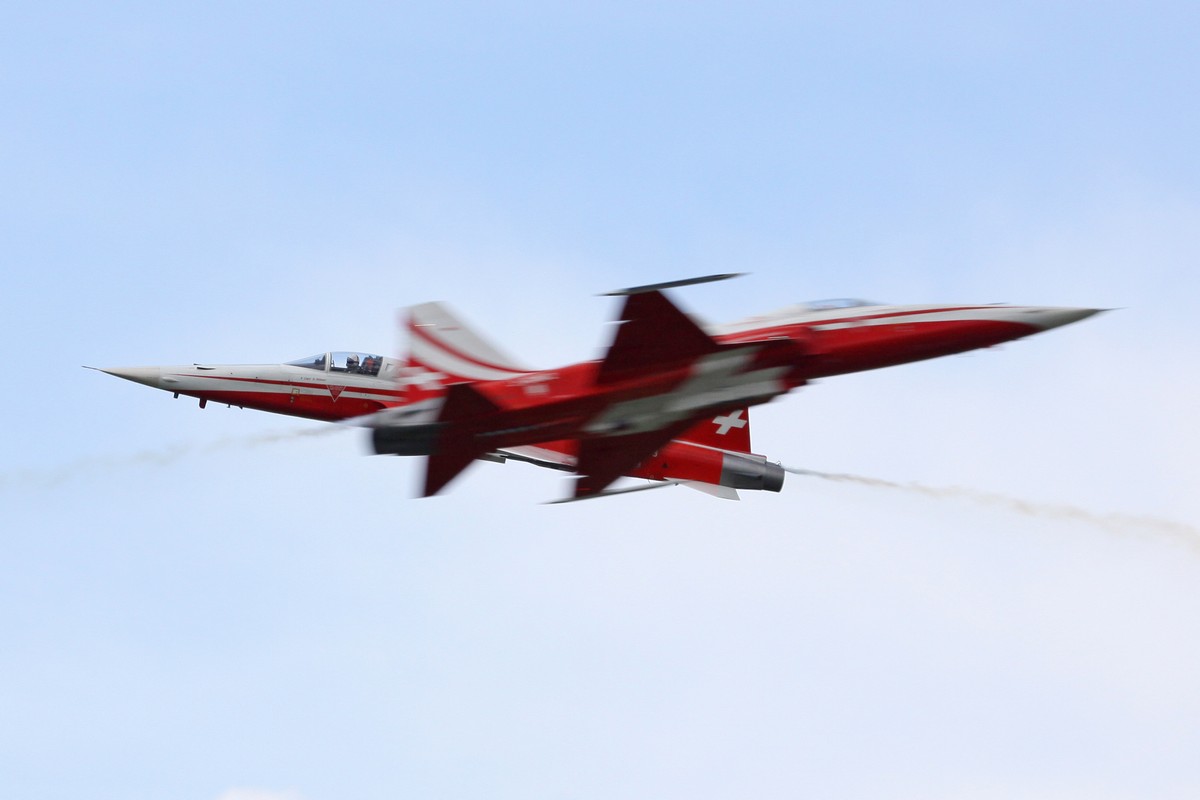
81,468
1118,523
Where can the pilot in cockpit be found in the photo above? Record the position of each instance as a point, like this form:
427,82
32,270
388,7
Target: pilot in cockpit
352,363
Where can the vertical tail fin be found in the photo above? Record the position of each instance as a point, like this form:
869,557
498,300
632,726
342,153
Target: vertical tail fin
444,350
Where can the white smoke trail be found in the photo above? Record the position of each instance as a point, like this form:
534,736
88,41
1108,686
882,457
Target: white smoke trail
170,454
1117,523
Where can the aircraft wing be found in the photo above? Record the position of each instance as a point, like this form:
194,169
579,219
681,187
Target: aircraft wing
602,461
654,336
653,332
660,376
695,374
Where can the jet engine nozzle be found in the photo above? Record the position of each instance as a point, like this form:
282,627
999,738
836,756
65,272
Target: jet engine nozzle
751,472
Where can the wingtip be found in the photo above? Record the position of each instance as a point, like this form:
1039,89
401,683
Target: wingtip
656,287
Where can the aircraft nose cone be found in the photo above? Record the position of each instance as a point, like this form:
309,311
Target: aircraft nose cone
1047,318
148,376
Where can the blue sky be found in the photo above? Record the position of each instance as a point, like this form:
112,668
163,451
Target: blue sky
203,605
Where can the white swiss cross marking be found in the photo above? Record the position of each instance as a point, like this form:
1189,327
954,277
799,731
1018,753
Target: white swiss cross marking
734,420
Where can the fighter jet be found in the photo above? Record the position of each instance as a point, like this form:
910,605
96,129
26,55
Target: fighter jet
668,400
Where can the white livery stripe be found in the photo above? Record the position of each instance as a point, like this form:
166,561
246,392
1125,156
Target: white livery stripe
440,340
953,315
425,352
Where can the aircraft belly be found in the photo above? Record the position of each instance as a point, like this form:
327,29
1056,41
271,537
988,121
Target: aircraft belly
679,461
309,399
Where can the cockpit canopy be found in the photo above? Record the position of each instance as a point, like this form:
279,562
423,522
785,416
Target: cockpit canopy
836,303
353,363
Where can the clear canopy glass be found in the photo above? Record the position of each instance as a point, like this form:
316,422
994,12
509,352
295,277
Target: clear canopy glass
316,362
838,302
345,361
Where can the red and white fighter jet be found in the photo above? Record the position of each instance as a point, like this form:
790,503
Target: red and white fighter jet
669,400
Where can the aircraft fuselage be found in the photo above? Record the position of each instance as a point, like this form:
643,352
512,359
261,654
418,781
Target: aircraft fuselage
838,341
465,402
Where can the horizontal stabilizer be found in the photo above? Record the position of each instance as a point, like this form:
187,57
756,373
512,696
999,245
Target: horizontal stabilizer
712,489
722,492
613,492
653,333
